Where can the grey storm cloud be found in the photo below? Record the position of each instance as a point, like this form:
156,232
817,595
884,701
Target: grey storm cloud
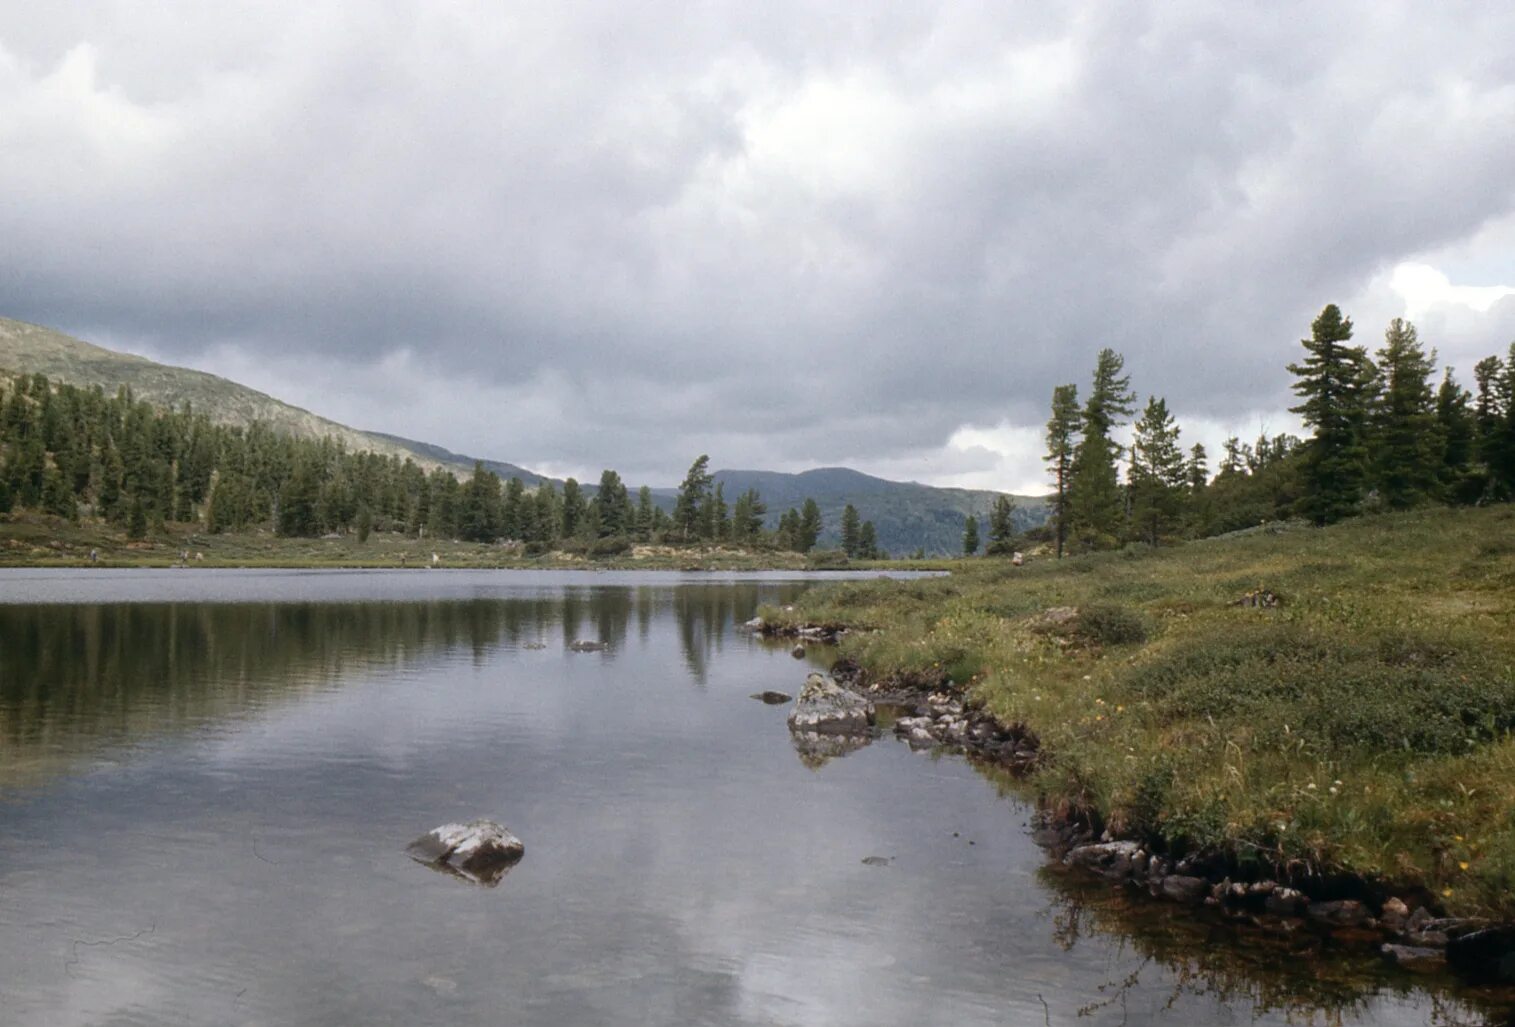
577,235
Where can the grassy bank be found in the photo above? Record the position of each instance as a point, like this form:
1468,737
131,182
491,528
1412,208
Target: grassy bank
30,540
1361,725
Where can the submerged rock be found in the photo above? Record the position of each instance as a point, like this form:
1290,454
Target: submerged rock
1414,957
588,647
798,652
824,707
772,698
815,750
1339,913
877,861
1183,888
481,851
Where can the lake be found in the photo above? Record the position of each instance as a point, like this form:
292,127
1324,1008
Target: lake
208,780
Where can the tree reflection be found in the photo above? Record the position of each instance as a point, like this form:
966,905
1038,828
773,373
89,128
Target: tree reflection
76,675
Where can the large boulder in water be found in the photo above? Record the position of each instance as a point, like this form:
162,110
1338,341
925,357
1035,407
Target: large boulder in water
480,850
825,707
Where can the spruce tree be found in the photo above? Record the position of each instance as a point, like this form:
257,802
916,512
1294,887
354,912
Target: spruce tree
1454,419
1095,502
1062,442
1158,474
482,515
867,542
810,526
789,530
852,526
613,504
1197,478
297,501
970,536
1501,447
1406,431
1001,527
692,496
573,509
136,521
644,516
509,514
57,496
1333,383
747,518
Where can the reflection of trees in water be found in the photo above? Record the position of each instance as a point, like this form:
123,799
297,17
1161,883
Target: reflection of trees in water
1194,954
705,614
76,674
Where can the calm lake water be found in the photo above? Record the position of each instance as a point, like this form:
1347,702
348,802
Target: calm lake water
208,779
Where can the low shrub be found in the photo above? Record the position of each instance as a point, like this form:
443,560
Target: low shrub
614,545
1110,624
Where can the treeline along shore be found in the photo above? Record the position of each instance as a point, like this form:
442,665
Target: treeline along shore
81,471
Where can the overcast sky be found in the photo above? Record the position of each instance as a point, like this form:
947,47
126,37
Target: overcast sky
786,234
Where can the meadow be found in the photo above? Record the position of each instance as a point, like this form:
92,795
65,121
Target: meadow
1336,701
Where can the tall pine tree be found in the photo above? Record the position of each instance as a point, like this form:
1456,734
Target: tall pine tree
1062,442
1095,502
1406,432
1334,380
1158,474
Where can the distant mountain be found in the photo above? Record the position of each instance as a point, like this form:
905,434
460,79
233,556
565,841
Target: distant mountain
451,459
906,515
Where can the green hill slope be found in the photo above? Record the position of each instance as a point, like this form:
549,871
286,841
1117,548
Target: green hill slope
33,349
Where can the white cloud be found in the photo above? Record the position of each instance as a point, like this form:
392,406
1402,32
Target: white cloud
783,234
1423,289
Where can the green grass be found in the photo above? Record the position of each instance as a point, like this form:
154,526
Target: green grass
1362,726
33,540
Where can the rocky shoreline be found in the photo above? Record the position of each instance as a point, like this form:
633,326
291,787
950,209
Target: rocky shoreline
1403,924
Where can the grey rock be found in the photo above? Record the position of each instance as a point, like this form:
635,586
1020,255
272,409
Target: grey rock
1110,859
1427,939
1181,888
1284,902
481,851
798,652
824,707
1339,913
1414,957
755,624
